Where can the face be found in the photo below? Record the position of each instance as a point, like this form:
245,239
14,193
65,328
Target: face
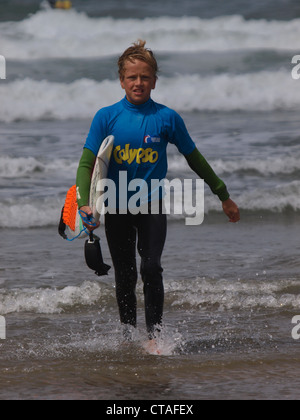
138,80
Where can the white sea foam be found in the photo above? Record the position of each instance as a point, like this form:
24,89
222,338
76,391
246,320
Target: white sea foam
283,197
49,300
20,167
226,294
32,100
53,33
31,210
36,213
284,165
276,166
260,91
43,212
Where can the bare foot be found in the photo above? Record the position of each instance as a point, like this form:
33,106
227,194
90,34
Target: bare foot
151,347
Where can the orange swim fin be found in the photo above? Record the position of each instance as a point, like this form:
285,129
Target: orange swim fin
70,209
70,222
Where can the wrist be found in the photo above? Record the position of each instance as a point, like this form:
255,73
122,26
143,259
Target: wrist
224,195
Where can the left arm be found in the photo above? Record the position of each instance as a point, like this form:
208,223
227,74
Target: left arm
201,167
231,210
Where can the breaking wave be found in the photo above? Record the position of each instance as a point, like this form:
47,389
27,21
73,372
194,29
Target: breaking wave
55,34
32,100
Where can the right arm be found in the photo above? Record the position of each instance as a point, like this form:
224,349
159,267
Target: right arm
98,131
201,167
83,181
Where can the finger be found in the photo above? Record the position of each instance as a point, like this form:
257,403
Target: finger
91,228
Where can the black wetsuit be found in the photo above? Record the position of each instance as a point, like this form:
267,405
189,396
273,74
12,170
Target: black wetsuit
122,231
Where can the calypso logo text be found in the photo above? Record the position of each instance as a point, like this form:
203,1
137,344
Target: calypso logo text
138,155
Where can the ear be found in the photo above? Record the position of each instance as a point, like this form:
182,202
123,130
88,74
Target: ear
154,82
122,83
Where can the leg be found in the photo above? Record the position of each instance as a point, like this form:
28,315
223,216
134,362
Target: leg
152,229
121,238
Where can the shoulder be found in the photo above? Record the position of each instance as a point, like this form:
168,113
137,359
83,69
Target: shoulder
163,108
167,111
169,115
109,110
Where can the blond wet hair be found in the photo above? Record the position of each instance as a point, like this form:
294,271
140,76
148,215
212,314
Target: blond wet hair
137,52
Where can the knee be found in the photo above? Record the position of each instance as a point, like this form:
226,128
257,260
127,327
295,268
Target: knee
126,276
151,270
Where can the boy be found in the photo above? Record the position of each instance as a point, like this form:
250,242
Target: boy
138,123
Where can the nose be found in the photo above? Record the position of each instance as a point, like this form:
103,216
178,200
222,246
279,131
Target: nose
139,81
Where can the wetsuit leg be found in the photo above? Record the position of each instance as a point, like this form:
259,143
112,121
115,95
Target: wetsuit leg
152,229
121,239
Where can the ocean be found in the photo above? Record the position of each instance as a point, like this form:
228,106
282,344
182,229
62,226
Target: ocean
231,290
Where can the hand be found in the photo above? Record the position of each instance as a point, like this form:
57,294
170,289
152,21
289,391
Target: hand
89,212
231,210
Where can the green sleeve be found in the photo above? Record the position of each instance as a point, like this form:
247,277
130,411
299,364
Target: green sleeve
83,178
201,167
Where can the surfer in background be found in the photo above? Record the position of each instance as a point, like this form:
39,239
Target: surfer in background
139,123
64,4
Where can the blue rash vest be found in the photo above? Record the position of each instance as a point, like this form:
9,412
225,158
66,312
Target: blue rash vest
142,133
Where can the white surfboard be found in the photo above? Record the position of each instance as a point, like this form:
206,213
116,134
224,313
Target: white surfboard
73,228
99,174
